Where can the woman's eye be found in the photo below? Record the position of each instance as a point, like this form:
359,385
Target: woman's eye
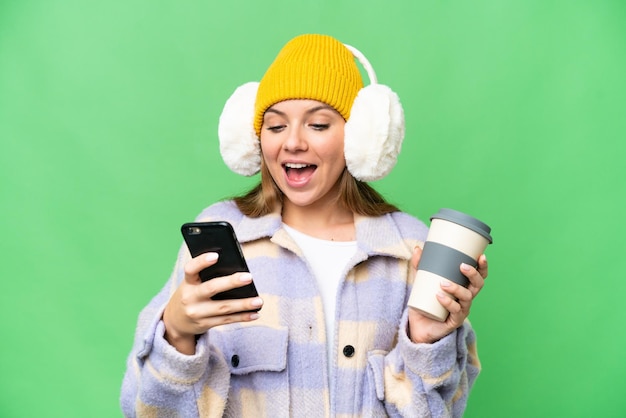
319,126
276,128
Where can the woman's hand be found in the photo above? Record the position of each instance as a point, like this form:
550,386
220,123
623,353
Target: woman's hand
191,311
426,330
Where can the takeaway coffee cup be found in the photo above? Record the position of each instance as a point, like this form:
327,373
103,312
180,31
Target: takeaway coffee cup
453,238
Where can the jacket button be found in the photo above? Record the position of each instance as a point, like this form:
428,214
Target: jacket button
234,360
348,351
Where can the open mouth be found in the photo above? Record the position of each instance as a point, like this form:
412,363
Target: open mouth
297,172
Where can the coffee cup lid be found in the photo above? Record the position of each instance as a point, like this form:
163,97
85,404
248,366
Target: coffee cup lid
465,220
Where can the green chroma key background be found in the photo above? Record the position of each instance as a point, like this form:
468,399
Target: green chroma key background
108,143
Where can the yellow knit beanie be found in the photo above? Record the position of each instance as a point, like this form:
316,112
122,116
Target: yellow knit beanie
316,67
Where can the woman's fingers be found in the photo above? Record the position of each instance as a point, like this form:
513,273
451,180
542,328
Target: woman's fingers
199,303
197,264
458,299
476,279
217,285
483,267
454,293
230,318
415,259
193,309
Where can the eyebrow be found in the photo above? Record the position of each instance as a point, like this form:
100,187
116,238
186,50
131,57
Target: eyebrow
308,112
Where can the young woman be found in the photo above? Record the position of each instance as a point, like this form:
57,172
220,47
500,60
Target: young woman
332,260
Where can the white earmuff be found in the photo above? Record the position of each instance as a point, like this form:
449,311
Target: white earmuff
239,145
375,130
373,134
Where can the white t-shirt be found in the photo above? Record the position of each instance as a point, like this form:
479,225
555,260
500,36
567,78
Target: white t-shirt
328,259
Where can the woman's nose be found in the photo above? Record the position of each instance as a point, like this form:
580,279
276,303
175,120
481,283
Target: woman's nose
295,140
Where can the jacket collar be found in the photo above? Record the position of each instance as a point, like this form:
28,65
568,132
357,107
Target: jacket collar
375,235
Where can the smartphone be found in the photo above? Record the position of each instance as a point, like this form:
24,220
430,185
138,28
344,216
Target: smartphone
219,237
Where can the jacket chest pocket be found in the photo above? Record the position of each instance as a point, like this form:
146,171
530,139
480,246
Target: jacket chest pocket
259,383
254,349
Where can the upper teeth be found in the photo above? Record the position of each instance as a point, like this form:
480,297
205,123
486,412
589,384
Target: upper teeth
295,165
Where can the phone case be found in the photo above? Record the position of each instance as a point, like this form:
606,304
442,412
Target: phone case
218,237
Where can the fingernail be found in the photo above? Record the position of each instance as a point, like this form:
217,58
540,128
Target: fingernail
254,316
484,258
465,267
257,302
245,277
445,283
211,256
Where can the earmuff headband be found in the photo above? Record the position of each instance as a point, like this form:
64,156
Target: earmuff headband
373,136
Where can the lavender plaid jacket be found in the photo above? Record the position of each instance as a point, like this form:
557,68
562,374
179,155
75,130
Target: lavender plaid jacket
276,366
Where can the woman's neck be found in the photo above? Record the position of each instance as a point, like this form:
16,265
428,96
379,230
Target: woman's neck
329,222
